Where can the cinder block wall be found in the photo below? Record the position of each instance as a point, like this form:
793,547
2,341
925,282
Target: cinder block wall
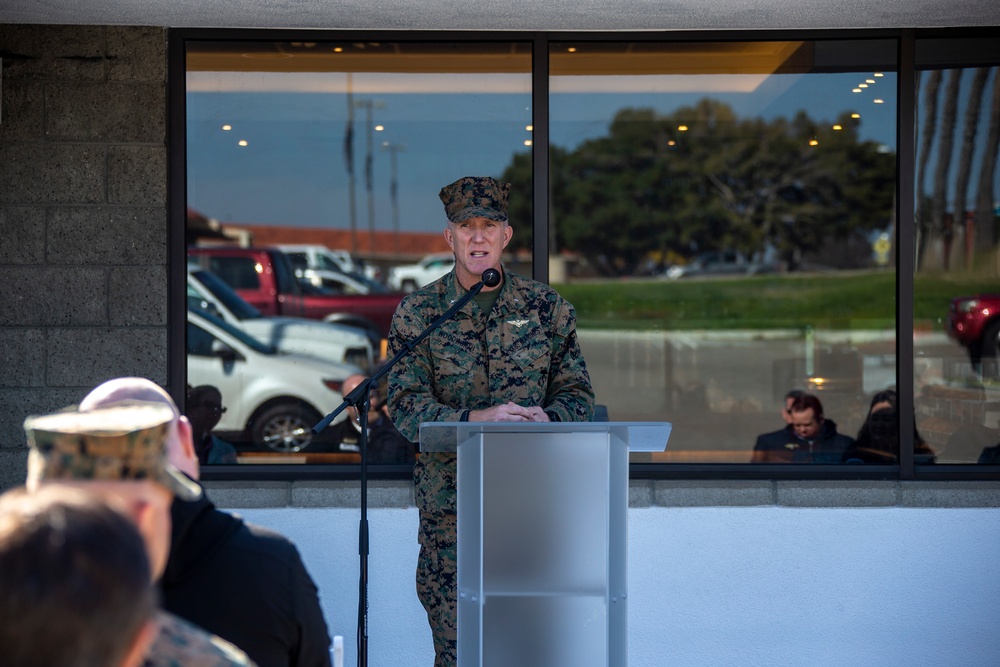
83,218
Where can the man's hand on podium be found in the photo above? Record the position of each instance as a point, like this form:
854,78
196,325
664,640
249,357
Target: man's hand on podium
509,412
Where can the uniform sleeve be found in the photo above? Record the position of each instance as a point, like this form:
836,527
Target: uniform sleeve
411,380
570,396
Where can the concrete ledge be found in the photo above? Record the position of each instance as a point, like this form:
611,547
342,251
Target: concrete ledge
950,494
238,494
642,494
710,493
837,494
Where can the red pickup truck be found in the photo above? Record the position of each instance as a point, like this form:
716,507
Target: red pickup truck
265,278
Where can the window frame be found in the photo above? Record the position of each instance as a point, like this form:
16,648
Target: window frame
906,39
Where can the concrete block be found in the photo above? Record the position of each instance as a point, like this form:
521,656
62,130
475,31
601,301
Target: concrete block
326,494
52,173
128,112
137,53
710,493
640,493
868,493
53,52
137,295
234,495
23,111
27,225
20,304
388,493
950,494
53,296
137,175
108,235
22,357
13,468
18,404
88,356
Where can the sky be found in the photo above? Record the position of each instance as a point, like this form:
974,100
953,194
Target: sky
293,171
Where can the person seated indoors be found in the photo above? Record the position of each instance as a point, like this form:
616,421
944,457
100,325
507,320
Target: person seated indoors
75,581
204,410
878,438
811,439
385,443
780,437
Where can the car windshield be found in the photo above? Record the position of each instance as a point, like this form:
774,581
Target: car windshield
244,338
240,309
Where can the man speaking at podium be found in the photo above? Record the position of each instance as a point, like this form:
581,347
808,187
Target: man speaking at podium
511,354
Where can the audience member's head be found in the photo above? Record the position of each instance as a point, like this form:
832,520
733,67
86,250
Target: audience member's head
118,451
806,416
75,583
204,409
180,449
786,409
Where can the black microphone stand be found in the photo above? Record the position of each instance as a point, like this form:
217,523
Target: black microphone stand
360,399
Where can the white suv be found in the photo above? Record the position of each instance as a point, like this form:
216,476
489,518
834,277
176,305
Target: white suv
327,340
410,277
272,399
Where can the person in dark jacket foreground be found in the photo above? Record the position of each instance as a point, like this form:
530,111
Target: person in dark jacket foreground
246,584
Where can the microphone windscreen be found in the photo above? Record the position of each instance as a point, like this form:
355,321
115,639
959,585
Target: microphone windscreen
491,277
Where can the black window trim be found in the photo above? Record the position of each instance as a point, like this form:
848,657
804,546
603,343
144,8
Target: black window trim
178,38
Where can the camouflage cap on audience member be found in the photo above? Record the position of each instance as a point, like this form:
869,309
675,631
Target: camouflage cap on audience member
121,441
475,197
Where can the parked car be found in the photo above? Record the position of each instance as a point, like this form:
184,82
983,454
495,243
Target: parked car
314,257
974,322
264,277
272,399
409,277
718,263
327,340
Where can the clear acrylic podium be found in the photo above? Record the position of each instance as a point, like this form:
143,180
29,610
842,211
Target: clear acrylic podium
542,539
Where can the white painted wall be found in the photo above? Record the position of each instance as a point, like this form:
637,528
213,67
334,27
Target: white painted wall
719,586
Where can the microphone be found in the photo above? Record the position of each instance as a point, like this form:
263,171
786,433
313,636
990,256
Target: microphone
491,278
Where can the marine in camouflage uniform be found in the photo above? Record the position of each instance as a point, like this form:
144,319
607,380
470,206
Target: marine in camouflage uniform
126,442
524,350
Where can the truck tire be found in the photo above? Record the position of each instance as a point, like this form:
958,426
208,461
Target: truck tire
284,427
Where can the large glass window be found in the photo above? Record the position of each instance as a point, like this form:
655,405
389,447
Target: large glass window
956,307
722,219
313,171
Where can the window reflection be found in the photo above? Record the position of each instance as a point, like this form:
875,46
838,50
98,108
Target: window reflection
722,219
956,367
330,154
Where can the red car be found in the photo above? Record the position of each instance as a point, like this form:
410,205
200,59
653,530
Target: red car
974,321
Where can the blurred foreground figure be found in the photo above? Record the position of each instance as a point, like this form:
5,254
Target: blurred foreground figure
242,582
119,453
75,582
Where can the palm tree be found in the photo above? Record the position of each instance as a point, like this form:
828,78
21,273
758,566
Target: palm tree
985,236
941,223
965,156
927,140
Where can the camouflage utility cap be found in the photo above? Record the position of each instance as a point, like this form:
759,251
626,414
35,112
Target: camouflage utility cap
475,197
121,441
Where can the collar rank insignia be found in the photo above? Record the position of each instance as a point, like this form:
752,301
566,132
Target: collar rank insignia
517,323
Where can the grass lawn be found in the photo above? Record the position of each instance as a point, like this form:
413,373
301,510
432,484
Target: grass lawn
843,300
